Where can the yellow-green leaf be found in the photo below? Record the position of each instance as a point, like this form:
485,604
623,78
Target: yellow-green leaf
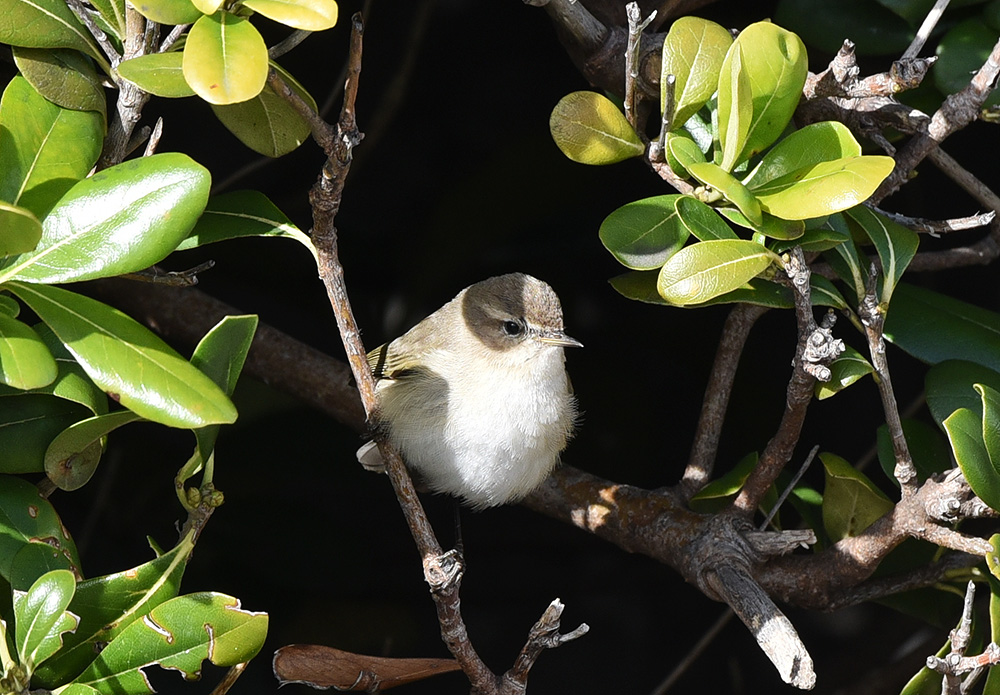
590,129
693,51
702,271
225,59
735,107
734,191
168,11
309,15
824,188
157,73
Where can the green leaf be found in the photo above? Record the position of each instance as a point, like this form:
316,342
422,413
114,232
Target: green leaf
20,230
851,503
113,14
108,604
734,191
589,129
157,73
693,51
965,432
72,457
991,422
874,29
168,11
949,385
643,234
64,77
806,147
770,226
824,188
735,107
42,618
25,361
927,447
775,64
896,245
639,285
812,240
681,151
27,519
708,269
725,487
44,24
267,123
28,423
242,214
757,291
701,221
846,369
309,15
933,327
927,681
844,256
178,634
44,149
225,59
126,360
9,306
120,220
208,6
961,52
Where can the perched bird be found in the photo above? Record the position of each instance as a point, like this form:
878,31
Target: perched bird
476,397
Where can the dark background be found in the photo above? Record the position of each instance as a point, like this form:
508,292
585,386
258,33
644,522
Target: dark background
458,180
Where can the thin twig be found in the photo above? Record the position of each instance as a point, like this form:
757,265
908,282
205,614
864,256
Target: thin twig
172,37
83,14
924,32
950,167
936,227
636,25
791,486
659,153
288,43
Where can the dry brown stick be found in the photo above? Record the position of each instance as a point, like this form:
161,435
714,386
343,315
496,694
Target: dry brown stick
720,385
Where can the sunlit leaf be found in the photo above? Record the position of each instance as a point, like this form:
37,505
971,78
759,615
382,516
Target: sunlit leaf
25,361
816,143
590,129
702,221
126,360
735,107
242,214
965,432
309,15
63,76
734,191
20,230
168,11
845,370
42,618
643,234
157,73
44,24
681,151
707,269
225,59
693,51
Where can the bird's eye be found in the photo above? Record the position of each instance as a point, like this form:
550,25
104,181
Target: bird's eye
512,328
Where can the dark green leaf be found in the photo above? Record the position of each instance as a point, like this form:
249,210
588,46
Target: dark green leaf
44,148
991,423
950,385
825,25
25,361
846,369
927,447
681,151
242,214
44,24
770,226
933,327
643,234
120,220
965,432
126,360
844,257
28,519
896,245
42,618
28,423
64,77
639,285
589,129
72,457
851,503
721,489
708,269
961,52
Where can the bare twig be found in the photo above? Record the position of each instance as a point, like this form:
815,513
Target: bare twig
131,99
172,37
924,32
950,167
937,227
636,25
720,385
543,635
659,152
288,43
83,14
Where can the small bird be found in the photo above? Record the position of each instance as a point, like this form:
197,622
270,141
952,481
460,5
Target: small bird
476,397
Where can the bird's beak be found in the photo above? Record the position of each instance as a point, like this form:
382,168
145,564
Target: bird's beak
559,340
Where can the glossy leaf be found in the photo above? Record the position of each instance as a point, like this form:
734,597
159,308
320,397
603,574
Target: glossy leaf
851,503
208,6
927,447
735,107
64,77
708,269
28,423
168,11
120,220
157,73
126,360
933,327
845,370
681,151
775,64
225,59
896,246
589,129
950,385
44,24
28,519
693,51
25,361
991,422
824,188
242,214
643,234
816,143
770,226
267,123
108,604
178,634
701,221
965,432
44,149
734,191
308,15
73,456
42,618
20,230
